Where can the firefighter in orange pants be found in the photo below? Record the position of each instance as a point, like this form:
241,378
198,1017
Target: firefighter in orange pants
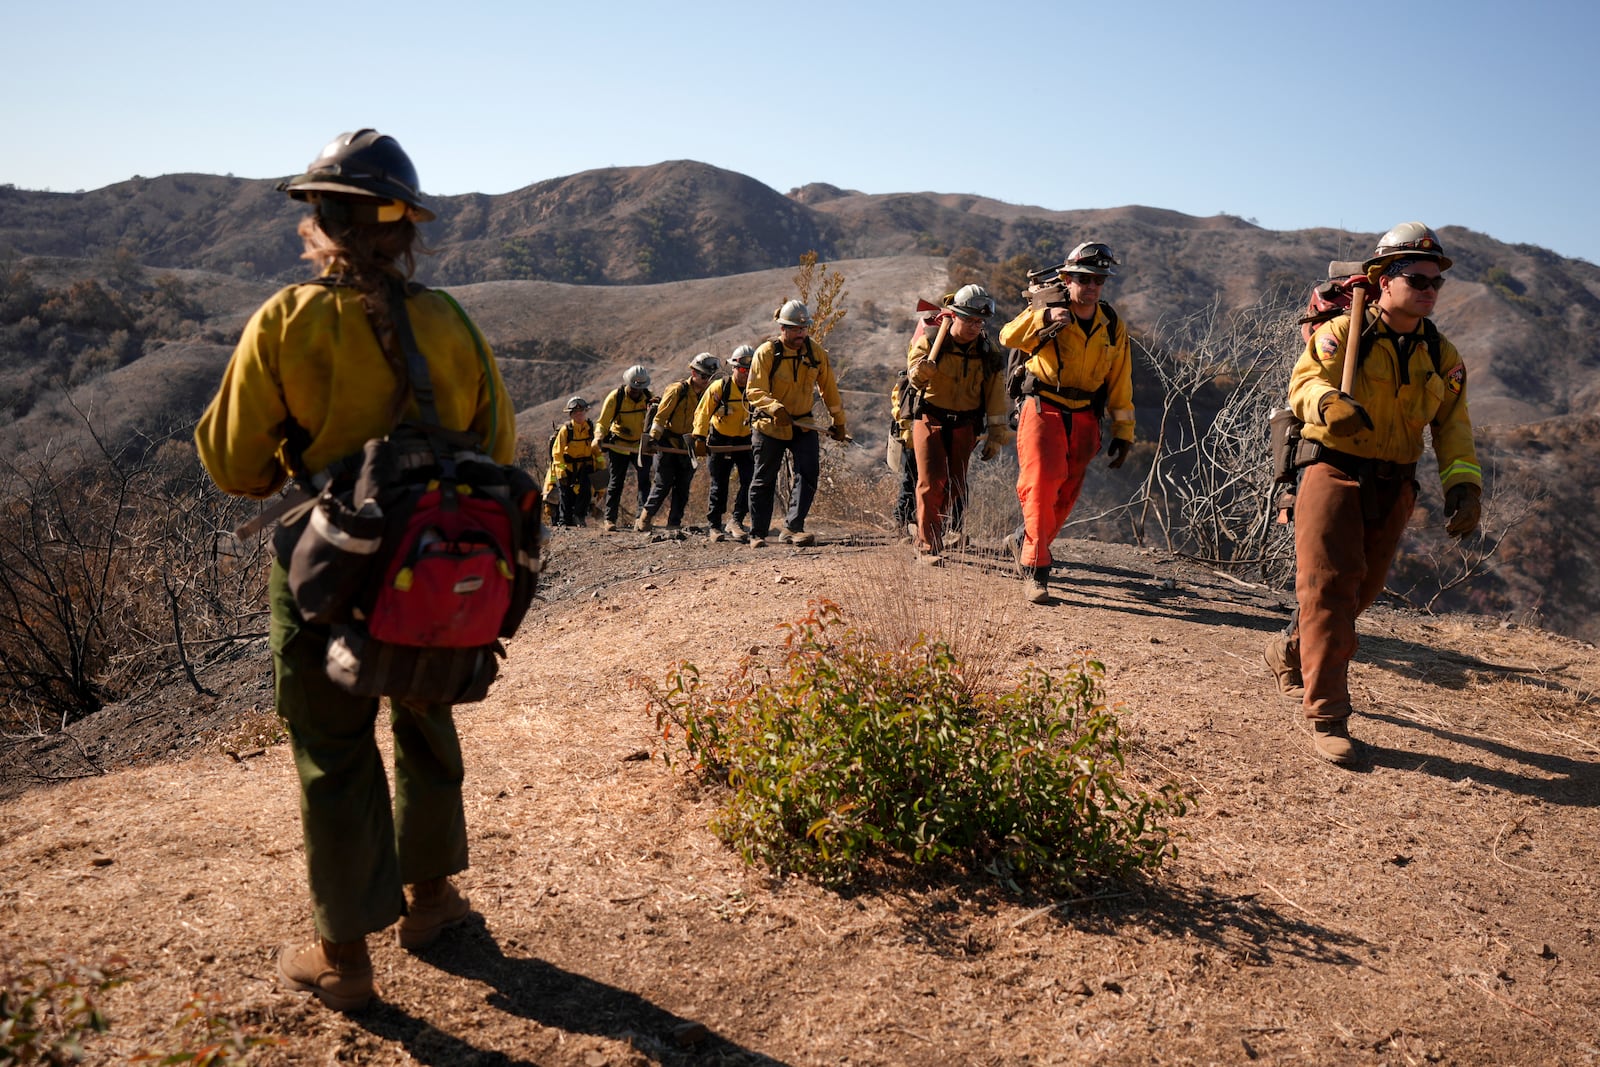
1079,360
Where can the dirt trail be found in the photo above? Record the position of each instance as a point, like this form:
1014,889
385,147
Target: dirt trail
1437,906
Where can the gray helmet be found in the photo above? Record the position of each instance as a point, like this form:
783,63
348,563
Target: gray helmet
1409,240
363,168
972,302
636,377
793,313
741,357
705,363
1091,257
575,403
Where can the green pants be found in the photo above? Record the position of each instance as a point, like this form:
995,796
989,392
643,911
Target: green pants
358,854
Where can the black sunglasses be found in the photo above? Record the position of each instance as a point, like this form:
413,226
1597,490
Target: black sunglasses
1422,282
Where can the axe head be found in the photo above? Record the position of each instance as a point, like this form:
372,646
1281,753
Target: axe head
1345,268
924,306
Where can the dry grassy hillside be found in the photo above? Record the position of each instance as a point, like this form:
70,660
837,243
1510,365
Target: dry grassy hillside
1436,906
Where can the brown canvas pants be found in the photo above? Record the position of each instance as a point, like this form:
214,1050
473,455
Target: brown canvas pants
1342,559
942,458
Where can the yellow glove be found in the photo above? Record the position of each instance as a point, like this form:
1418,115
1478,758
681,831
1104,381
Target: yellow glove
1464,504
991,447
922,373
1342,415
599,459
700,447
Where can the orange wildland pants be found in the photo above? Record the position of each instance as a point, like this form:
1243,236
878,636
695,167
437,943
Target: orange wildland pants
1054,448
1341,562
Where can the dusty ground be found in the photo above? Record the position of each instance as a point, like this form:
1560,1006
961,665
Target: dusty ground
1438,905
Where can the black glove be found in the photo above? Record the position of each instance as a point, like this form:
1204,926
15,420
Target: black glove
1117,452
836,431
1342,415
1464,504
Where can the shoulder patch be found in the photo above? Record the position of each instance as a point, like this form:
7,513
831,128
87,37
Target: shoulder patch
1457,378
1327,348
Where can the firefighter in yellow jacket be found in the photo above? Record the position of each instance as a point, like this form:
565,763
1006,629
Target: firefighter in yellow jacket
785,376
316,374
902,456
1075,352
575,455
670,435
961,396
620,429
1358,471
722,438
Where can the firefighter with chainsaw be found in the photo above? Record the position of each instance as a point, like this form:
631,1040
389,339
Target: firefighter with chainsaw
785,375
318,372
1361,439
959,389
722,438
575,455
1078,367
620,429
670,434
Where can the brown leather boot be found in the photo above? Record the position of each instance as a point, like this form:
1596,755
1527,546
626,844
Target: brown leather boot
435,906
1283,660
1332,741
339,973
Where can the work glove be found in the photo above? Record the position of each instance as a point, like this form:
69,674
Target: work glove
836,431
922,373
700,449
658,434
781,419
600,460
991,447
1341,414
1464,504
1117,452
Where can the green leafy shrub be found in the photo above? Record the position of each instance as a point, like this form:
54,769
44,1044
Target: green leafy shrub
848,752
47,1008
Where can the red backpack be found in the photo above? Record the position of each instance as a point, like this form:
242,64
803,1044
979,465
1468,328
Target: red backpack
425,561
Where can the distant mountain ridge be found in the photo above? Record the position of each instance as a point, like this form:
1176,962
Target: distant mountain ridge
1529,319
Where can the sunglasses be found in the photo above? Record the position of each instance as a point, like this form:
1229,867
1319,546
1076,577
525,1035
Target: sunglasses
1087,279
1422,282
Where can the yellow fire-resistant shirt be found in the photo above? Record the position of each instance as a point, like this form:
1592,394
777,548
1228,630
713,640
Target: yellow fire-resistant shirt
309,368
574,444
1079,362
1401,404
731,419
622,418
675,413
966,378
788,378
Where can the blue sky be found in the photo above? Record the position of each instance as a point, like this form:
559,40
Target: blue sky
1457,113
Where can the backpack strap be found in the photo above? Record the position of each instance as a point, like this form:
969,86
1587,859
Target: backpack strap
1428,334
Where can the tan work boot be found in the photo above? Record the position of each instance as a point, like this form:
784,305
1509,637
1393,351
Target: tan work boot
435,906
714,534
339,973
611,526
643,522
736,533
1283,660
1036,585
1332,741
803,538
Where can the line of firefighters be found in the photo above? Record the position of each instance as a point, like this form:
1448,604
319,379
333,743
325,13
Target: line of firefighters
1363,405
